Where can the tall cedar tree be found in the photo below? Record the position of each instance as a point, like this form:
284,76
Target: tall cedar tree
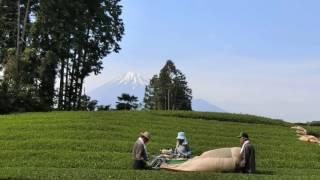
169,90
17,60
80,33
8,26
63,39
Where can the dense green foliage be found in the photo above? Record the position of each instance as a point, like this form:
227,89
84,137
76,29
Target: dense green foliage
42,42
127,102
97,145
314,123
18,59
168,91
103,107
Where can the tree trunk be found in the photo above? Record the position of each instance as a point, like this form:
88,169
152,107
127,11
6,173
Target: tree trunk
76,89
25,22
60,98
18,43
18,28
168,99
80,92
77,84
71,88
66,87
81,73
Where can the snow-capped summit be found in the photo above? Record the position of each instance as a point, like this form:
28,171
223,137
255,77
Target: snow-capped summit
133,78
134,84
131,83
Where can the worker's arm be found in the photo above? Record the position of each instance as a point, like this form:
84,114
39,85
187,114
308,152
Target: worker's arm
185,152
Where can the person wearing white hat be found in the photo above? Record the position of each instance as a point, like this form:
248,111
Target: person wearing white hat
139,151
182,149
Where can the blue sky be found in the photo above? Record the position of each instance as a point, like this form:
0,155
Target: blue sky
258,57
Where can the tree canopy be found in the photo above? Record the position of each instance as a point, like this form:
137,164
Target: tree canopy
127,102
169,90
45,42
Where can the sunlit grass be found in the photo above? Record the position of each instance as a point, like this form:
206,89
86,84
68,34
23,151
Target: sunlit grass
97,145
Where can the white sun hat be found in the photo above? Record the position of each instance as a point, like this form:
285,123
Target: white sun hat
181,135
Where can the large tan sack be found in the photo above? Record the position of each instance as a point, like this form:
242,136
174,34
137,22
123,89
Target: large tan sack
300,130
221,153
309,138
303,135
224,159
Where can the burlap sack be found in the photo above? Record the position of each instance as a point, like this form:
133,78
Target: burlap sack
309,138
224,159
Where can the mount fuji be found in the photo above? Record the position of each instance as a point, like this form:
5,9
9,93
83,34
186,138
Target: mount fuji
131,83
134,84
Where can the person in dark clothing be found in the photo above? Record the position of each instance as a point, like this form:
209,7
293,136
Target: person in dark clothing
247,155
139,151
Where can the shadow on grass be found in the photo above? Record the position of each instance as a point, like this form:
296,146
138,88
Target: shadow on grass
264,172
258,172
13,178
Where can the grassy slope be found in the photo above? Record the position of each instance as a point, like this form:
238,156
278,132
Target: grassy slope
97,145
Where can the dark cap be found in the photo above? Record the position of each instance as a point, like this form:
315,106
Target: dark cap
243,135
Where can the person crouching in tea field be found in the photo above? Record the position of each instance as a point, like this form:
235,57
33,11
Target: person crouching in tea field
182,149
139,151
247,162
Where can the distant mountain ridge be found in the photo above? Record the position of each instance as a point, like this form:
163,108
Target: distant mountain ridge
205,106
134,84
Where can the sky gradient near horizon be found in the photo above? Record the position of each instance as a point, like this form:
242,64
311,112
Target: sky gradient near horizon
256,57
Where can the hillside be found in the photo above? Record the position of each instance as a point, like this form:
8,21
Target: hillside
97,145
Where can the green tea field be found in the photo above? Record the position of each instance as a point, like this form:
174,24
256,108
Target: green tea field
97,145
